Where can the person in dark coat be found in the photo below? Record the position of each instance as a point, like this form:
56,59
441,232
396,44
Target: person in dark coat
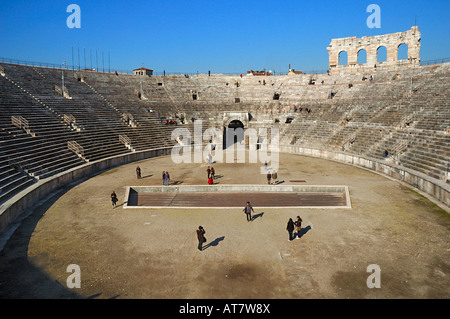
248,209
290,228
138,172
269,177
114,199
298,223
274,177
201,237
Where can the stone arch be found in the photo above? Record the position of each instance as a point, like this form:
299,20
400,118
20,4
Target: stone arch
371,44
402,51
382,54
233,133
362,56
235,124
343,58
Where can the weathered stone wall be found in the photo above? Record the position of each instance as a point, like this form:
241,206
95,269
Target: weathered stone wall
392,41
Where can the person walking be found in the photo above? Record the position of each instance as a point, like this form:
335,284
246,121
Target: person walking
269,177
201,237
138,172
274,177
114,199
248,209
290,228
298,224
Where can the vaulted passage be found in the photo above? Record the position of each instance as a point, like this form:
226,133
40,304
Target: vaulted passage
233,134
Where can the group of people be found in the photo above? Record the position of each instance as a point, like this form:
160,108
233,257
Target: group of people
211,172
291,225
165,178
300,109
272,177
171,122
248,209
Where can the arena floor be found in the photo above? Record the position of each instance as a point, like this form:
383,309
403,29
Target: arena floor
152,253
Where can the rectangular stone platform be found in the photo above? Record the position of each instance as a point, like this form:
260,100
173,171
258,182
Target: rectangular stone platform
235,196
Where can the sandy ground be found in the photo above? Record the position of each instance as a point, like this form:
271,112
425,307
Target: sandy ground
152,253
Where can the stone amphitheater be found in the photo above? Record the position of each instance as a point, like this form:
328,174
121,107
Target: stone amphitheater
64,149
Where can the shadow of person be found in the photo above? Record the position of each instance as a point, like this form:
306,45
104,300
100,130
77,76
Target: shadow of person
214,243
303,231
257,215
118,205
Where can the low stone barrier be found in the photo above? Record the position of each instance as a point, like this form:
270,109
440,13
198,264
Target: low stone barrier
435,188
11,209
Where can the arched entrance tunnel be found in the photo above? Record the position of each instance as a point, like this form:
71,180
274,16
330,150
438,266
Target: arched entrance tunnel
233,134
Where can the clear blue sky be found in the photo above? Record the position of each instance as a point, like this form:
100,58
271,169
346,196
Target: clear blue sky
200,35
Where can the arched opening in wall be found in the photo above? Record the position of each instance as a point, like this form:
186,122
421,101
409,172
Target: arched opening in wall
402,52
382,54
233,134
362,56
343,58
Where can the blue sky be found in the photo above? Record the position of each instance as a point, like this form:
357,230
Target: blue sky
198,35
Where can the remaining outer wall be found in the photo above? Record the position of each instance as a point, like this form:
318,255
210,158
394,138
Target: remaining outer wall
391,41
12,209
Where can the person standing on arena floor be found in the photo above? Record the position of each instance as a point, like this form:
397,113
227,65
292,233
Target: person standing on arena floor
138,172
213,172
290,228
114,199
208,170
298,223
201,237
248,209
164,177
167,179
269,177
274,177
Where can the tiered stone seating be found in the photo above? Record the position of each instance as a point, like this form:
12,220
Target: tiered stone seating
348,114
38,153
381,115
99,125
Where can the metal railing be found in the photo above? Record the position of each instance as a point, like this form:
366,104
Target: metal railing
76,148
20,122
162,73
437,61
